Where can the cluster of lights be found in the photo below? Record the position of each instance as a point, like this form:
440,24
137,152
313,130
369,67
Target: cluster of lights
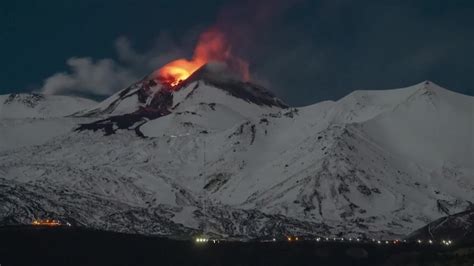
48,222
205,240
447,242
201,240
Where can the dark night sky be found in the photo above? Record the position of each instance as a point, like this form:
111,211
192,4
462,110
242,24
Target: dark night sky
304,50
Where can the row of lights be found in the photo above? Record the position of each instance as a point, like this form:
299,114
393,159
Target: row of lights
319,239
205,240
396,241
443,242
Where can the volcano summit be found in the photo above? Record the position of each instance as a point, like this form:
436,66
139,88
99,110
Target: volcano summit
150,98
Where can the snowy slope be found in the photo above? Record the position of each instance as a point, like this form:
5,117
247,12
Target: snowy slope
30,119
458,227
430,115
228,158
31,105
203,106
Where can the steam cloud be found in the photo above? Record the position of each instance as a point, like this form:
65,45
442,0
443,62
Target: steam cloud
101,77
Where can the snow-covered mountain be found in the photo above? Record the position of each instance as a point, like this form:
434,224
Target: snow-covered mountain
226,157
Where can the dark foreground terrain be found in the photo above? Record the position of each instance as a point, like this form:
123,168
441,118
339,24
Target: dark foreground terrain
75,246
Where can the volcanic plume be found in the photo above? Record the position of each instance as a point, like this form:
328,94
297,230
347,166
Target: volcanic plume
212,46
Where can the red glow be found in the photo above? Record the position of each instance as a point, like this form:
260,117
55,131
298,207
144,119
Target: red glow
212,46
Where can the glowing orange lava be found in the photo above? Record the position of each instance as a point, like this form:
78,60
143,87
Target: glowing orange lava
212,46
177,71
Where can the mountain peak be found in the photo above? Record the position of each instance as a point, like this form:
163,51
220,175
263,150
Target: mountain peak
434,88
219,76
149,98
146,92
428,85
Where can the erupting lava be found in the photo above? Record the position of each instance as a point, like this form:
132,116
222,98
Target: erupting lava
212,46
178,70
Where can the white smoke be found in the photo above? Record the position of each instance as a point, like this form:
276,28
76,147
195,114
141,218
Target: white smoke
105,76
102,77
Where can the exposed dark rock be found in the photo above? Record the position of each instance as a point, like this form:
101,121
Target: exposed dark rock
158,107
216,181
343,188
364,190
29,100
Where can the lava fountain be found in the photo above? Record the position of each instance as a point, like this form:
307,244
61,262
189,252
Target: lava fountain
212,46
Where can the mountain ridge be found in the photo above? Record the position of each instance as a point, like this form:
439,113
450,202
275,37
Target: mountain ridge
219,164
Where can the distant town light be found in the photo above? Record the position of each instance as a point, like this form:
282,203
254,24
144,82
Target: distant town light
46,222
